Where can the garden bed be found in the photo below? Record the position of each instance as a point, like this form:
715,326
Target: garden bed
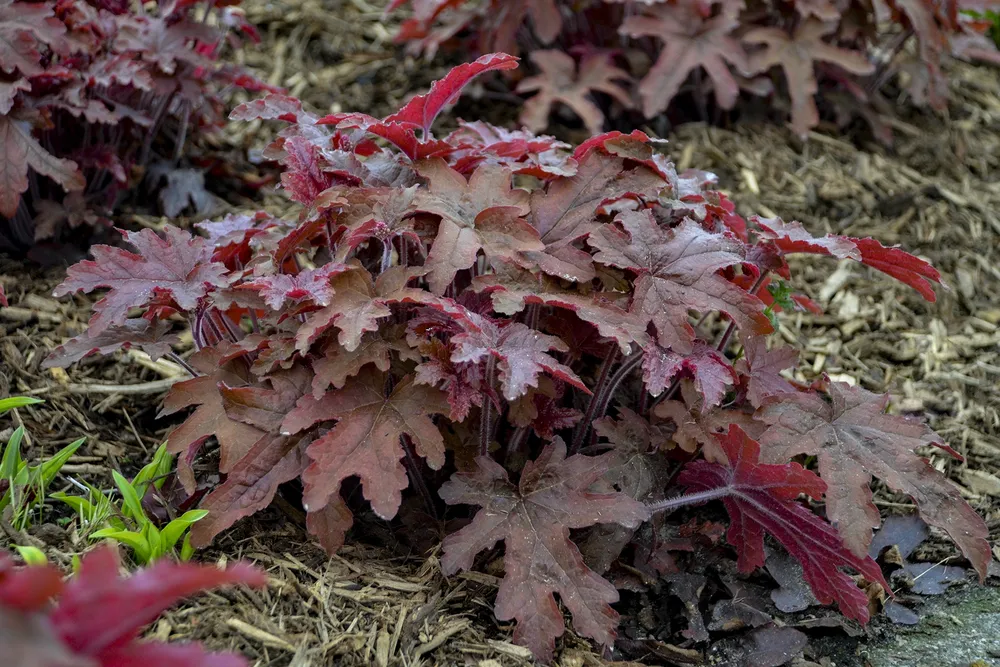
936,192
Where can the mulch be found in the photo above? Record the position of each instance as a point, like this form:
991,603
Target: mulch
936,192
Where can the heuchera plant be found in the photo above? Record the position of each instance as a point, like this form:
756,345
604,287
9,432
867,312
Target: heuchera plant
554,332
847,48
94,618
87,88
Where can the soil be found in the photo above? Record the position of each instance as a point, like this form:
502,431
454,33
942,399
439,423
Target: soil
936,192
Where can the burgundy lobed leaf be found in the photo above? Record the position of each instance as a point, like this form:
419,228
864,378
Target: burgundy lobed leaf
21,152
560,81
762,498
854,440
677,272
366,440
178,265
762,368
150,337
521,354
711,371
533,518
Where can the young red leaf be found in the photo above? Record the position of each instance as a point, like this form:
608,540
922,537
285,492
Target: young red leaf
689,42
311,286
555,494
797,55
678,273
150,337
792,237
366,439
638,471
462,381
421,110
763,498
695,428
711,372
521,354
763,369
128,605
22,151
901,265
178,265
561,82
854,439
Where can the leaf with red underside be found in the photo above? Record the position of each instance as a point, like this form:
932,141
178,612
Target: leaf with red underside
534,518
690,42
150,337
521,354
677,274
421,110
375,213
566,210
854,440
711,372
482,213
23,27
548,412
797,55
267,462
792,237
22,151
901,265
127,605
304,177
209,418
366,438
358,305
561,82
762,498
178,265
763,367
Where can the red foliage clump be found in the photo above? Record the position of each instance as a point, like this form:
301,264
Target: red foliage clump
471,305
86,90
805,46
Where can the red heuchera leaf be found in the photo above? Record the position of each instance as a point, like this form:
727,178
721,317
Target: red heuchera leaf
763,367
561,82
792,237
482,213
209,419
151,337
762,498
366,439
22,151
461,380
797,54
311,285
677,273
521,354
901,265
638,472
854,439
178,265
421,111
358,305
689,42
565,211
250,484
68,633
711,372
555,494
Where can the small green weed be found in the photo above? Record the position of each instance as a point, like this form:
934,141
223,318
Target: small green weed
128,522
